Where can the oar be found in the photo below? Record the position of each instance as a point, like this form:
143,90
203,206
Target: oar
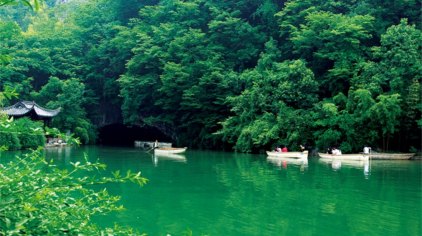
151,149
154,146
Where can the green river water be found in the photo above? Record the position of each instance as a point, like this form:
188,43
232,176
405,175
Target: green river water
220,193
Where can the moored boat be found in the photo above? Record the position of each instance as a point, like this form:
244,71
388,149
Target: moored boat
352,157
169,150
390,156
53,145
273,154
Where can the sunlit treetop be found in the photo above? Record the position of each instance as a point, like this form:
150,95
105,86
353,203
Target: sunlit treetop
33,4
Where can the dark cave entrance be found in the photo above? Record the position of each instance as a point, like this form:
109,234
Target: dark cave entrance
121,135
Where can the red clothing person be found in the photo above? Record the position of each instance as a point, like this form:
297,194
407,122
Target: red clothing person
284,149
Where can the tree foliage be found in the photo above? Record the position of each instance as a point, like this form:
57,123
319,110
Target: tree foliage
248,74
69,96
34,4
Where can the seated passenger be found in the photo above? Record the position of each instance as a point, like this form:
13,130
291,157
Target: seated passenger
336,151
366,150
284,149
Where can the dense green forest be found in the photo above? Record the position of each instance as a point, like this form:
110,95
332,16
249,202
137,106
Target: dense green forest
243,74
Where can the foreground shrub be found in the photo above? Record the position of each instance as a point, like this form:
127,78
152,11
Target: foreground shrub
9,140
30,133
37,198
21,133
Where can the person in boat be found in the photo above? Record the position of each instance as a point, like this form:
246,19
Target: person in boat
278,149
366,150
329,150
284,149
302,148
155,144
336,151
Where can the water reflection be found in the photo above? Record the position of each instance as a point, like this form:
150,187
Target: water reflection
61,155
168,157
284,162
338,164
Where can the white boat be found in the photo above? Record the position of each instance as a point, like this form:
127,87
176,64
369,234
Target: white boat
169,150
351,157
52,145
390,156
273,154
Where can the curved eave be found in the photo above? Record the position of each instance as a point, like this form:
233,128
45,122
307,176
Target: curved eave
48,113
11,111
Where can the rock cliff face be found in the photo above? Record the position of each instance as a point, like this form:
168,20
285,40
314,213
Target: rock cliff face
121,135
107,114
107,117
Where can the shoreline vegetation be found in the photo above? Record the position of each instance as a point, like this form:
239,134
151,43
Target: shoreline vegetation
232,75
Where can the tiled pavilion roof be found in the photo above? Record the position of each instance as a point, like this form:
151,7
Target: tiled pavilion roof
25,107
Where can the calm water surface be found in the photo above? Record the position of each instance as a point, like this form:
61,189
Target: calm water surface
216,193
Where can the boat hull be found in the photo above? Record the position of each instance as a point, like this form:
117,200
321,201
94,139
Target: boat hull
351,157
169,150
273,154
391,156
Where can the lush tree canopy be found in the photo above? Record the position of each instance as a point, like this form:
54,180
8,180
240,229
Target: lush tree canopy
243,74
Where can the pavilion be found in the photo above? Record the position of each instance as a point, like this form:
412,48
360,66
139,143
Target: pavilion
31,110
